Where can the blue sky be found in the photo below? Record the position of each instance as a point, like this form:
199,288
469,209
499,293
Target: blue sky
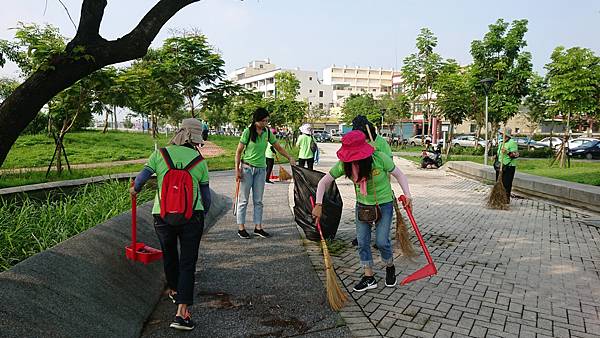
313,34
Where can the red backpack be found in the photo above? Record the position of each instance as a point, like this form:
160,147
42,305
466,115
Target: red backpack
177,191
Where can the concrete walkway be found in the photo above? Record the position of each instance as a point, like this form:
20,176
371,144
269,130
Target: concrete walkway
532,271
257,287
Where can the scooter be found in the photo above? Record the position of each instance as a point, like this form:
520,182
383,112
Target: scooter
432,159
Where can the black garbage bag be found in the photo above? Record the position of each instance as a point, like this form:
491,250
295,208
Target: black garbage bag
305,185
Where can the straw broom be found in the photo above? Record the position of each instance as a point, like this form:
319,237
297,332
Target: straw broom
498,199
402,237
335,295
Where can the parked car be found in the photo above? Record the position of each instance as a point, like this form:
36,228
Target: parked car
556,142
336,137
417,140
322,136
574,143
467,141
589,150
526,142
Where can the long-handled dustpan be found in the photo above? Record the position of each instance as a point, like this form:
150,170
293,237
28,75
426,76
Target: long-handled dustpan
139,251
429,269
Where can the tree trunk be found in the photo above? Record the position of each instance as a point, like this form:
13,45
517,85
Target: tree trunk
63,70
449,143
192,112
564,145
106,115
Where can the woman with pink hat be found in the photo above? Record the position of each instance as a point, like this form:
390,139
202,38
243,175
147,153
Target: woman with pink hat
368,169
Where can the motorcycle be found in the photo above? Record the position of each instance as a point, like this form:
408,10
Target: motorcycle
432,159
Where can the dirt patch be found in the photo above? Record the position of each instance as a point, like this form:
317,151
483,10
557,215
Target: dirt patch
219,300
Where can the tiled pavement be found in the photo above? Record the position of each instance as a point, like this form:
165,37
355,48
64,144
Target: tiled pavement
531,271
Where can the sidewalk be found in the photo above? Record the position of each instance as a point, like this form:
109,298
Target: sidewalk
532,271
254,288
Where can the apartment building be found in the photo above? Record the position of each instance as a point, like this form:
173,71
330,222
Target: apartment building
345,81
260,76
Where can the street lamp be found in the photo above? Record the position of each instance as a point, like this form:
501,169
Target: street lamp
486,83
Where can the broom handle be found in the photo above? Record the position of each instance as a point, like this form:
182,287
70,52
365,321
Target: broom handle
133,223
402,198
317,221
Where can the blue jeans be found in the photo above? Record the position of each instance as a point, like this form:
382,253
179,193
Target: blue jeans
382,237
254,178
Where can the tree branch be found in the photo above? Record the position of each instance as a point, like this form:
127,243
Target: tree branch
92,13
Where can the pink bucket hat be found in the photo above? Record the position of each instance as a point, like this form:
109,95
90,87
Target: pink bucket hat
354,147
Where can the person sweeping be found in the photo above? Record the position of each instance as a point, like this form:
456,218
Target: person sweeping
505,166
180,204
251,170
368,169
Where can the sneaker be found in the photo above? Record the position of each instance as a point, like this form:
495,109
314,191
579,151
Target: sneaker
181,323
172,296
262,233
390,276
243,234
355,242
270,182
366,283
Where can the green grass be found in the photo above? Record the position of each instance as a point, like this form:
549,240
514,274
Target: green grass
579,172
82,147
222,162
29,226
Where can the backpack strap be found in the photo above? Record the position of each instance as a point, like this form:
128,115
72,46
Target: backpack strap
167,158
194,162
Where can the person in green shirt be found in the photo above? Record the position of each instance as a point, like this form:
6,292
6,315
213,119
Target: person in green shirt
180,265
369,171
508,152
251,170
360,122
306,156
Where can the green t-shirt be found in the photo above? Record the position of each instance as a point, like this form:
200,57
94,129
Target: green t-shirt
269,152
254,153
380,144
303,143
180,156
510,146
382,165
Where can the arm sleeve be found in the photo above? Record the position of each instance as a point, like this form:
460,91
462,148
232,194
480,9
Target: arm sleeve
272,138
323,184
142,178
206,197
402,180
245,137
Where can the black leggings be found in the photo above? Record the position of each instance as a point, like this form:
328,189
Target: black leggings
270,163
508,174
309,162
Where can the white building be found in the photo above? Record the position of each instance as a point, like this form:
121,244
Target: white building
356,80
260,76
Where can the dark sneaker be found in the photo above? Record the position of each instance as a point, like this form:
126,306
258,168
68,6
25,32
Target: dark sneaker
181,323
355,242
262,233
270,182
366,283
390,276
243,234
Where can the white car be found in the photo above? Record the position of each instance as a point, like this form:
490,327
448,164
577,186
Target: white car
467,141
556,142
573,143
417,140
336,137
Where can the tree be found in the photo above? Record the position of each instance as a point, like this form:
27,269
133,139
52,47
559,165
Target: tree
87,52
453,88
395,107
361,104
500,56
536,102
420,72
287,86
573,84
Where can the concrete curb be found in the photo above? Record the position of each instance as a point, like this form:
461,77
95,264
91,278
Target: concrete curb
84,286
575,194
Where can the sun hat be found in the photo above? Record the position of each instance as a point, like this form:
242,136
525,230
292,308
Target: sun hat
506,131
189,132
305,129
354,147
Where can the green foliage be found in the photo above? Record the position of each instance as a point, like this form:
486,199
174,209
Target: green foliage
574,81
29,226
287,86
500,56
395,107
537,100
454,90
7,86
361,104
545,152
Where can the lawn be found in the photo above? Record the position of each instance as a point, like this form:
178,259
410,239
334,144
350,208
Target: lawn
580,171
92,147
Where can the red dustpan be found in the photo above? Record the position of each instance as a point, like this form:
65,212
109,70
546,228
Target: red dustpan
139,251
429,269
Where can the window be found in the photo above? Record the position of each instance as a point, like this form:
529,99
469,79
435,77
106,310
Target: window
320,106
320,93
310,90
331,105
374,89
260,66
310,78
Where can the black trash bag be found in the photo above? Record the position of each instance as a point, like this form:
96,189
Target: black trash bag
305,185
